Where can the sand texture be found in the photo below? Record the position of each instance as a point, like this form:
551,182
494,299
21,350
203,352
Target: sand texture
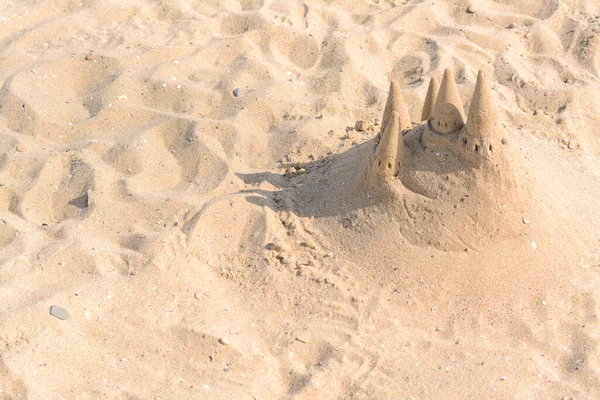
224,199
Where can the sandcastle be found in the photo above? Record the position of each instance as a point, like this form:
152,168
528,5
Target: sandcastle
447,177
446,182
445,130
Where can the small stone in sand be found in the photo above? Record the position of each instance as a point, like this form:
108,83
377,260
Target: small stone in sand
362,126
309,244
277,245
237,92
223,341
21,148
59,312
90,56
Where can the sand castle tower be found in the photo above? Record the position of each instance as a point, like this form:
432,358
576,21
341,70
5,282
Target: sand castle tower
432,92
480,135
395,103
386,155
448,114
390,147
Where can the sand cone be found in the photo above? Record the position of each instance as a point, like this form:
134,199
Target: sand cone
395,103
387,150
432,93
448,113
483,115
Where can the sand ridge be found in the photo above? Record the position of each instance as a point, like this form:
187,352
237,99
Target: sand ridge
215,245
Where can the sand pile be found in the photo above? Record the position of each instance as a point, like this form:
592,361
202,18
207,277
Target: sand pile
299,199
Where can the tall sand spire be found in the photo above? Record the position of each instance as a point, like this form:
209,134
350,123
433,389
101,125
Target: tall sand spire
432,92
482,120
395,103
387,152
448,112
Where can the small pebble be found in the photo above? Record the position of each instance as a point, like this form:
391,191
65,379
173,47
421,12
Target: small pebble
223,341
237,92
21,148
526,221
291,171
310,244
277,245
59,312
362,126
90,56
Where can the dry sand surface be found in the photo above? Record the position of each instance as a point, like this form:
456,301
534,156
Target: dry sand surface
186,180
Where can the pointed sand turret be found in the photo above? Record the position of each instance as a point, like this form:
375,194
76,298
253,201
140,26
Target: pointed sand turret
432,92
395,103
448,112
482,122
387,153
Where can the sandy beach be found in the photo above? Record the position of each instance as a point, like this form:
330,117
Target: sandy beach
257,199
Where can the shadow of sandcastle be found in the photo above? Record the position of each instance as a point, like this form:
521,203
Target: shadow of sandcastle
445,182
